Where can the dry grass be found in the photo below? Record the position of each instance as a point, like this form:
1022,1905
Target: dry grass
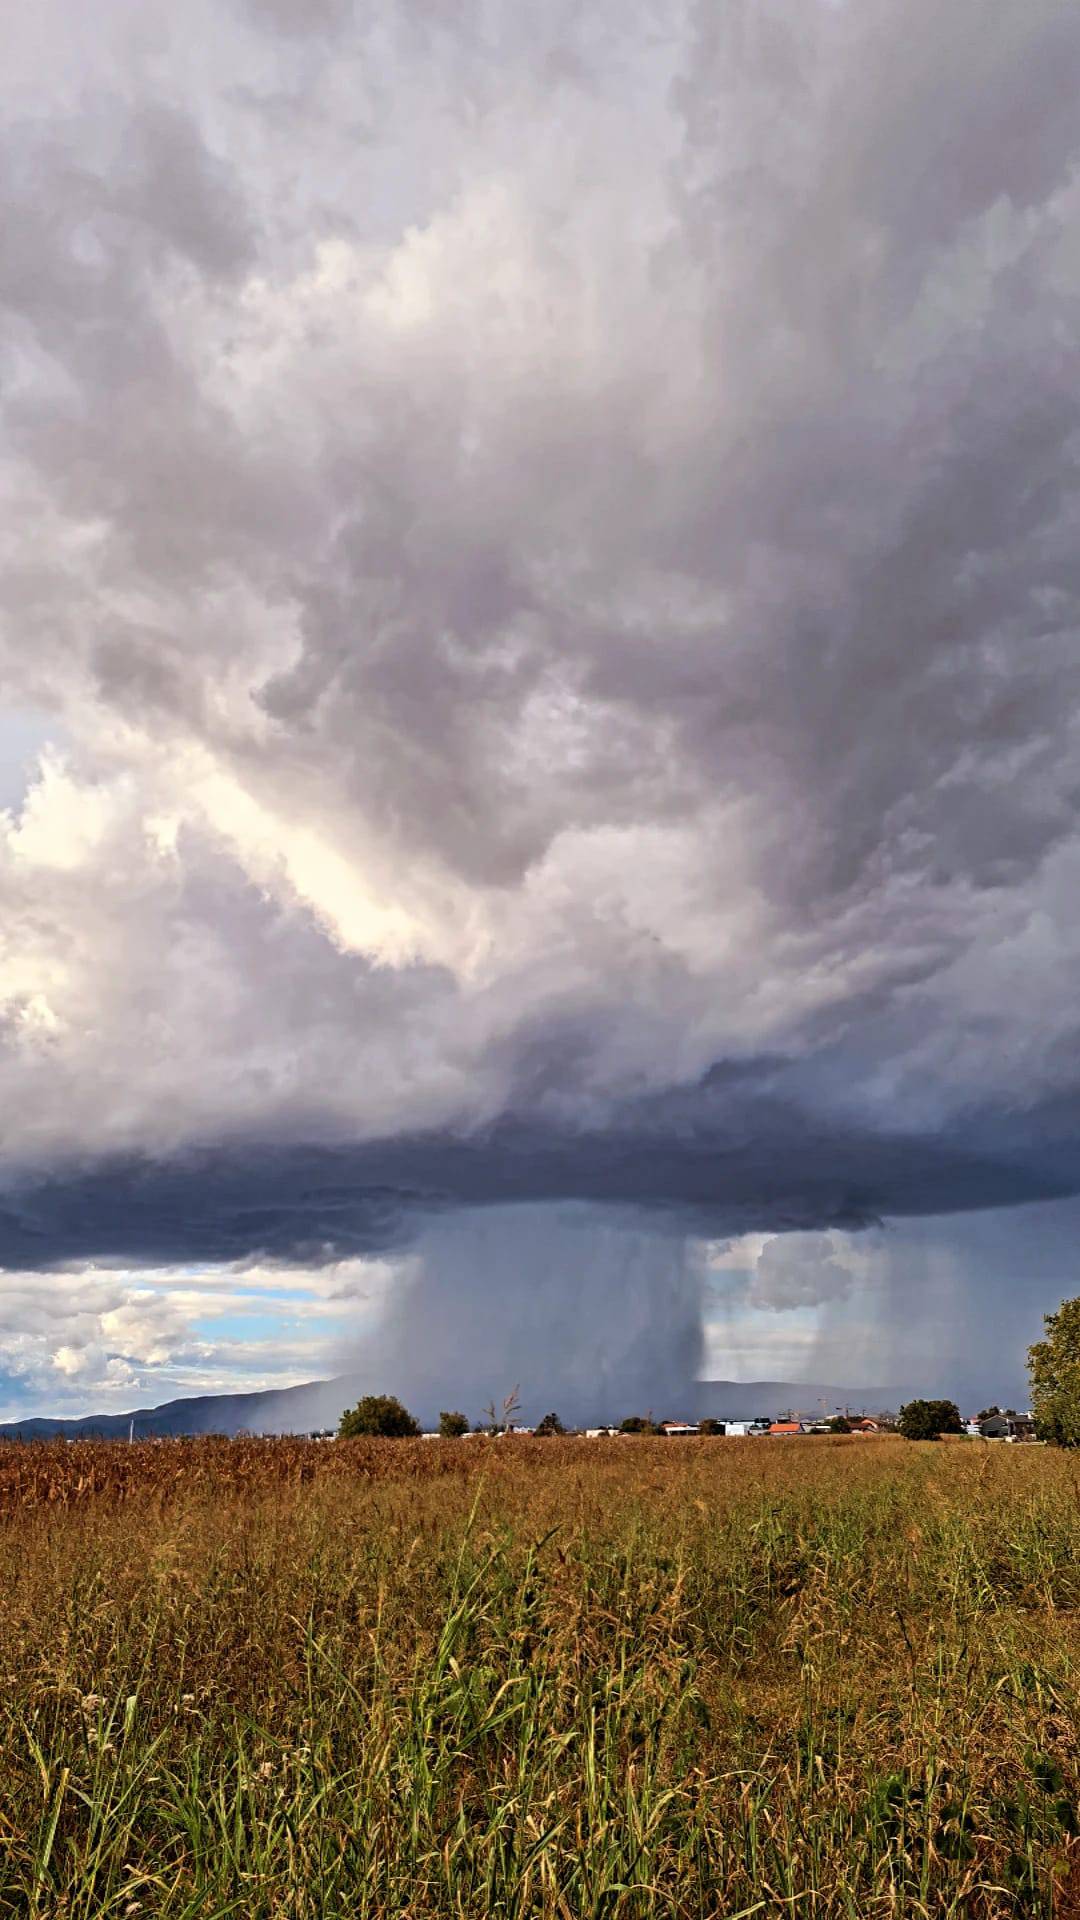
820,1677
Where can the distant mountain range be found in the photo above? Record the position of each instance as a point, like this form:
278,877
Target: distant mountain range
318,1404
302,1409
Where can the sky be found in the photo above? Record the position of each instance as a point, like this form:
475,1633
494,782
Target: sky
538,667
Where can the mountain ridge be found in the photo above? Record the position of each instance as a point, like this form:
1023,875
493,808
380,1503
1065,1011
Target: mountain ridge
314,1405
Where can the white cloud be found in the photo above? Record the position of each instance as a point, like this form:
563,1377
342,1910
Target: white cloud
800,1270
106,1338
62,824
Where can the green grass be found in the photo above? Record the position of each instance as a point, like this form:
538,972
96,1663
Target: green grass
543,1678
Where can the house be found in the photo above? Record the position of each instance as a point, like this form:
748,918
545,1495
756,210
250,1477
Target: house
1006,1426
745,1429
784,1427
679,1429
864,1425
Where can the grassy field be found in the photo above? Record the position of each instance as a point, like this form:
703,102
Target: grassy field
566,1678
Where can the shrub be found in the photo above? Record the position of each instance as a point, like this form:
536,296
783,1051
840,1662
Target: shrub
550,1424
452,1425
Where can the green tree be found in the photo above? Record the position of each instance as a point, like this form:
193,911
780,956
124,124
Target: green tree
378,1414
710,1426
550,1424
636,1423
929,1419
452,1425
1054,1366
838,1424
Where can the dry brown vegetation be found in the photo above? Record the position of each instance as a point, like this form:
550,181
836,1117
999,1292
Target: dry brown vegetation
65,1474
566,1678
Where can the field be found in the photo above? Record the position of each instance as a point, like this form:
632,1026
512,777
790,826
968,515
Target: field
566,1678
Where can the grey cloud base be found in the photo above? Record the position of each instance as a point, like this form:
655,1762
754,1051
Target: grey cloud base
714,1167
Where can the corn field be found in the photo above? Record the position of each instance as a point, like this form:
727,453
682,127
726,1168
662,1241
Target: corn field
290,1681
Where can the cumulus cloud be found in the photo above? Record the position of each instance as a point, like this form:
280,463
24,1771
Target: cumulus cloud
550,547
107,1338
943,1304
799,1270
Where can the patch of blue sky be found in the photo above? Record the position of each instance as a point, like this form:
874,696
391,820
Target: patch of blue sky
17,1395
257,1291
24,733
267,1324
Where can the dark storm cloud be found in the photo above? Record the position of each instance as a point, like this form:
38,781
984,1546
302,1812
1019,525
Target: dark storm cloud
718,1162
554,540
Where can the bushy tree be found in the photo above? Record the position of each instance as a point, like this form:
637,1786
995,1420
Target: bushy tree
838,1424
379,1414
710,1426
1054,1366
636,1423
550,1424
929,1419
452,1425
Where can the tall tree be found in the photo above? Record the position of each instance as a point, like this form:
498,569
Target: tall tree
504,1420
1054,1366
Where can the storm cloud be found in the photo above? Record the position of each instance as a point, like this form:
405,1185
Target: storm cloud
548,548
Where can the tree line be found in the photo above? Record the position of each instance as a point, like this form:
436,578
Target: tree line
382,1416
1053,1365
